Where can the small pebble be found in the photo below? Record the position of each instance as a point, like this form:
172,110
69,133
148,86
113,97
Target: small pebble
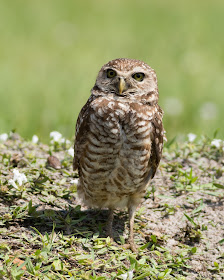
54,162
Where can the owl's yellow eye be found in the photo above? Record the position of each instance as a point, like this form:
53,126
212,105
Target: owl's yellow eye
111,73
138,76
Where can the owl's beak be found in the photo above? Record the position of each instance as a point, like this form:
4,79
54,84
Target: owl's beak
122,85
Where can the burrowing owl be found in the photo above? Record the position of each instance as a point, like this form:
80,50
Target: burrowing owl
119,138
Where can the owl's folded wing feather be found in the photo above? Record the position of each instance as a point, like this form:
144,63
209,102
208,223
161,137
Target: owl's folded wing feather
82,126
157,142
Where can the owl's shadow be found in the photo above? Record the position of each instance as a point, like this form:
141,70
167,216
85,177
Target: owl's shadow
96,222
79,223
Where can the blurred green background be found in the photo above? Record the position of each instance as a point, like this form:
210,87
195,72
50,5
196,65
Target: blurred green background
51,51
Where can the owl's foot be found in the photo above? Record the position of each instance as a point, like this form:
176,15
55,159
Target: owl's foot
130,245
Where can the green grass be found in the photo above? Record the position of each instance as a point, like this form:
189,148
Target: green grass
51,51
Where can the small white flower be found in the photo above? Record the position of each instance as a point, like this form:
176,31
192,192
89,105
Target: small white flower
217,143
128,275
19,177
71,152
124,276
66,141
35,139
56,136
75,181
3,137
12,182
191,137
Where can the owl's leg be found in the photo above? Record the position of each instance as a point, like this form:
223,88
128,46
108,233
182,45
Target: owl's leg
110,223
131,212
131,243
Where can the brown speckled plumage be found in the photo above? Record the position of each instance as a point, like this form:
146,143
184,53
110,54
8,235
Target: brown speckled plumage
119,138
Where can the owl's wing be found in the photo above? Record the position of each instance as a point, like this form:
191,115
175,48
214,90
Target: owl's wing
81,132
157,142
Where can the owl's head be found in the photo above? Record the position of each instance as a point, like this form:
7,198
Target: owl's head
128,79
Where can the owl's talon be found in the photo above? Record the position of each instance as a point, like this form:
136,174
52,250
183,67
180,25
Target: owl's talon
131,246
